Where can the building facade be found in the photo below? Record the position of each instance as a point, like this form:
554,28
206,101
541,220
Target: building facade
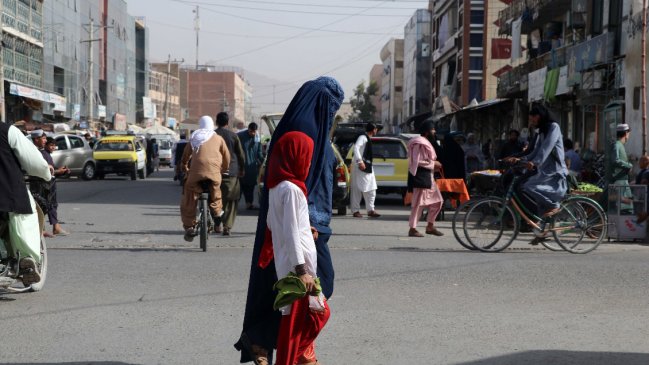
417,65
392,85
210,90
376,74
164,91
583,59
141,67
468,53
22,60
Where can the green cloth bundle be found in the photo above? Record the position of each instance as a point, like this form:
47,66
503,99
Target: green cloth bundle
290,289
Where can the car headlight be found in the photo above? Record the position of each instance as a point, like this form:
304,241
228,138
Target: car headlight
124,160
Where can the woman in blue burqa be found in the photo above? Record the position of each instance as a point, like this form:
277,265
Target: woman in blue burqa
312,112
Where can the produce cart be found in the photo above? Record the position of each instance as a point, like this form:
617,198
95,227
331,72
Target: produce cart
485,183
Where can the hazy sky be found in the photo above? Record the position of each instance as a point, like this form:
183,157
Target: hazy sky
289,41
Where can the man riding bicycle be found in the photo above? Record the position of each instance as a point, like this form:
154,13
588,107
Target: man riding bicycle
205,157
548,186
17,153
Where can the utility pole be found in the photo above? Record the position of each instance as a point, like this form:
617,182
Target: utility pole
166,104
91,97
197,28
90,73
2,82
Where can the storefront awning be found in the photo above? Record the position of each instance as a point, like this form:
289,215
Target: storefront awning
40,95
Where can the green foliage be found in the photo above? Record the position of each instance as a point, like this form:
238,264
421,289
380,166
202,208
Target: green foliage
361,102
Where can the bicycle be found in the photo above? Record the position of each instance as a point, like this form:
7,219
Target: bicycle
204,222
579,227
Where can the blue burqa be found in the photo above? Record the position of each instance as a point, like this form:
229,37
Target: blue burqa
312,112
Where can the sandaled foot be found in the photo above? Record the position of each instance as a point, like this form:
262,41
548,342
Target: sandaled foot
190,233
414,233
642,216
357,215
434,231
373,214
551,212
29,271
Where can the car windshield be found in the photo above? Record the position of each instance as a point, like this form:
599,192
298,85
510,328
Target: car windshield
389,149
114,146
165,144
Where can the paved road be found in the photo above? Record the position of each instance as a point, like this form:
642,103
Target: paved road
124,288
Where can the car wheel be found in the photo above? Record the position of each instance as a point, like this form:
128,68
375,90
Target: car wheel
88,172
134,172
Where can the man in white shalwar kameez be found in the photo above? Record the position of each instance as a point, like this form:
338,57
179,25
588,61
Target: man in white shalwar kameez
363,179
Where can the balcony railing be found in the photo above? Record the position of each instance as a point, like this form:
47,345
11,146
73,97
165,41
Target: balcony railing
525,8
579,58
510,82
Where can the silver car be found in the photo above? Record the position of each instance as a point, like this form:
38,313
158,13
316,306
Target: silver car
75,153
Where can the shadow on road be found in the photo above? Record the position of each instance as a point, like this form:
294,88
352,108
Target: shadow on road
73,363
560,357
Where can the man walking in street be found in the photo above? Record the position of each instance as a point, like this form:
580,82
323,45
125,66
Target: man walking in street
620,166
363,179
230,189
422,163
41,142
254,158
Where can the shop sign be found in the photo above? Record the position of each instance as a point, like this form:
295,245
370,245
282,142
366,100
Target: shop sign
76,115
536,84
28,92
119,122
562,86
101,111
149,107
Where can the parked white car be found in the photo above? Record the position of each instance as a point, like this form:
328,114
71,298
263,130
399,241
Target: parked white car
75,153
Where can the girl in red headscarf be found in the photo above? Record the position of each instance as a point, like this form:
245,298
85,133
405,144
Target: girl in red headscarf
293,247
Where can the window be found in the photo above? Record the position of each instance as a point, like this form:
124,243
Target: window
476,40
389,149
475,89
61,145
475,63
477,16
76,142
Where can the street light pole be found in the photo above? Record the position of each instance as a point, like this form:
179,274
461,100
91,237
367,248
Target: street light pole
90,41
166,104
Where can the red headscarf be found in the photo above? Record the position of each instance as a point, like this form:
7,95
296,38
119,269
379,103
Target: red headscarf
289,161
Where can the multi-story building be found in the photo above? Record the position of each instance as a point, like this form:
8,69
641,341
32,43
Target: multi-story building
376,74
22,60
416,64
459,32
392,85
164,91
141,66
583,59
210,90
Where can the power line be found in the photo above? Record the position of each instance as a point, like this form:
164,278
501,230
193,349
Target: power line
310,30
281,10
336,32
363,53
262,21
303,4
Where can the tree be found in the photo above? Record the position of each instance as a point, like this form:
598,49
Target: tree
361,102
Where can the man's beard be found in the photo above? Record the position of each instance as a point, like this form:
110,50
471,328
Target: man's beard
432,139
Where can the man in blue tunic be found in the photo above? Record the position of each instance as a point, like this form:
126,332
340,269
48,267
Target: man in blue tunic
549,185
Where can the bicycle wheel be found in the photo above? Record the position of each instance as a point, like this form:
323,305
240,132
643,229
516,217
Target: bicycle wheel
458,220
580,226
490,225
205,214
